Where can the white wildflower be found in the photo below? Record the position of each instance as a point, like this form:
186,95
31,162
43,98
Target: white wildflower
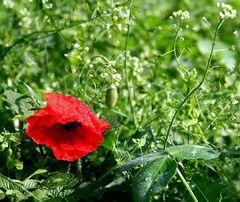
107,26
8,3
119,26
204,19
76,45
235,33
181,14
123,14
115,17
90,65
117,76
227,11
49,6
104,75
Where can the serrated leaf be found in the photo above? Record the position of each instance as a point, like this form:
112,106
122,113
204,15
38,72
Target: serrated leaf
193,152
41,193
30,183
5,184
16,186
66,192
64,180
140,160
57,199
20,103
153,178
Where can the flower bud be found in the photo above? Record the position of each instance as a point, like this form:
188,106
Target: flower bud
111,97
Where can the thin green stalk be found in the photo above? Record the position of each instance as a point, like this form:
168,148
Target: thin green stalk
224,108
175,52
187,186
130,96
197,87
95,96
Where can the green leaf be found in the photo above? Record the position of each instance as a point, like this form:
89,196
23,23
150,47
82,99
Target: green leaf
227,57
5,183
140,160
109,140
208,189
153,178
65,180
57,199
2,194
34,95
30,184
189,122
15,186
14,163
20,103
193,152
38,172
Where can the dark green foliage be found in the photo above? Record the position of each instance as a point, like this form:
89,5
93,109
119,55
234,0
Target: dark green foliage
153,62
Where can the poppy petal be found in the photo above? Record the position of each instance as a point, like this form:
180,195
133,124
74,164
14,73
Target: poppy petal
67,126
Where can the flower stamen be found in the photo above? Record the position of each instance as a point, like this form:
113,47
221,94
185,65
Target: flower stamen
71,125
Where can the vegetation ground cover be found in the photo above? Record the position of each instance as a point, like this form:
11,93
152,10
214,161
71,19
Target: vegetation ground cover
163,73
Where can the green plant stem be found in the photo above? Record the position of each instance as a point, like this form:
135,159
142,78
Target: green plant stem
197,87
186,185
95,96
130,96
224,108
175,51
101,57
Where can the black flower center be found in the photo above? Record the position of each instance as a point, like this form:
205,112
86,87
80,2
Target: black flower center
71,125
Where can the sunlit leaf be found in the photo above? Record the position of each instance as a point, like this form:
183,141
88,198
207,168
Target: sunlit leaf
66,180
153,178
30,183
193,152
140,160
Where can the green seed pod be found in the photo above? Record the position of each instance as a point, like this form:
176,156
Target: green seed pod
111,97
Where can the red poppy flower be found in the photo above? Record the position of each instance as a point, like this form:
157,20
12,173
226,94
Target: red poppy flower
67,126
